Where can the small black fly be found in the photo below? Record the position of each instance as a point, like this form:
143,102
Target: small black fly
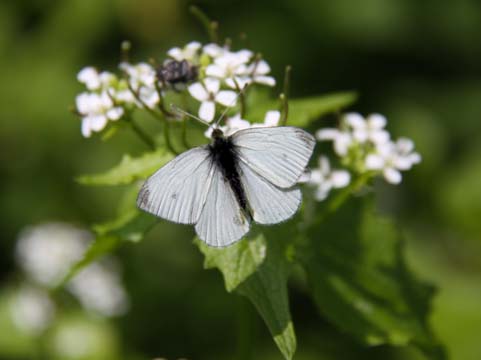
177,73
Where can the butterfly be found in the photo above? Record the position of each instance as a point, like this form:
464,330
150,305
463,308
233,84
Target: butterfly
221,188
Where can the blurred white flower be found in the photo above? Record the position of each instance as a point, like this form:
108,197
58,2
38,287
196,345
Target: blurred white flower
272,118
31,309
96,110
99,289
392,158
229,66
369,129
256,72
342,140
214,50
189,52
93,80
142,78
46,252
208,93
325,178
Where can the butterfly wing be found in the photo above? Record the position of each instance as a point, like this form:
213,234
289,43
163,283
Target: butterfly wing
269,204
222,220
278,154
178,191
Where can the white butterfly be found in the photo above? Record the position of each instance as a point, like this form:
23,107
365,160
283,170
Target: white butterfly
222,187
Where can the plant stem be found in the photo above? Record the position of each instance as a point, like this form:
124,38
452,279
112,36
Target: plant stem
210,26
285,96
168,143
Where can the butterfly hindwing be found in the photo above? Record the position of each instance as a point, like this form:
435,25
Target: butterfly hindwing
279,154
178,191
269,204
222,220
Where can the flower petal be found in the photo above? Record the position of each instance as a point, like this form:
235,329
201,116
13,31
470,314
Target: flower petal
227,98
198,91
376,121
176,53
265,80
215,71
327,134
392,176
355,120
115,113
272,118
340,178
207,111
90,77
374,162
212,85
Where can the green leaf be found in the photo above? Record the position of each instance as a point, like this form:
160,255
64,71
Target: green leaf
258,269
130,227
305,110
129,169
359,280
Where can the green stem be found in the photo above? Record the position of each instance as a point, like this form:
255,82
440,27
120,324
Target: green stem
168,143
285,96
210,26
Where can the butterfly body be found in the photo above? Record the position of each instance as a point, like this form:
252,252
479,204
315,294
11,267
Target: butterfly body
222,187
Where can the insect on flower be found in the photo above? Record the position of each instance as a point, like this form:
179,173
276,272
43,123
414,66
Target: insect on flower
222,187
174,72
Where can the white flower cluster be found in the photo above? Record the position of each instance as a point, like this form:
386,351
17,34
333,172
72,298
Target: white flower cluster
46,253
365,145
218,72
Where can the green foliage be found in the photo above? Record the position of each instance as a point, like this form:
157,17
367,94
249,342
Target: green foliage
304,111
257,268
129,227
360,282
129,169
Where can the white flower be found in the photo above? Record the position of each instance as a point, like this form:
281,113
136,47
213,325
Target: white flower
230,65
272,118
208,93
342,140
46,252
94,80
214,50
99,289
96,110
189,52
142,78
31,310
254,73
326,179
392,158
370,129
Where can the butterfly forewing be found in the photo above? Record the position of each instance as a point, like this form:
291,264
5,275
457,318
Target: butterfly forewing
269,204
222,220
178,191
279,154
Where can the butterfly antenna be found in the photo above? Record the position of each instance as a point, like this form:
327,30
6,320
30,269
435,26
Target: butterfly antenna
185,113
227,108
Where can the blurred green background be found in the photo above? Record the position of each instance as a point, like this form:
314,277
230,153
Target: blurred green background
417,62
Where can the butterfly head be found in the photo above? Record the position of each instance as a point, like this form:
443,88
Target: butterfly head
217,134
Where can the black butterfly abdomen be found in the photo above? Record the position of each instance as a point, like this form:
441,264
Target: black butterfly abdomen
224,156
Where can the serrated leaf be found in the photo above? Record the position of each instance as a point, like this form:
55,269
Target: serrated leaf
129,169
258,269
359,280
130,227
303,111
